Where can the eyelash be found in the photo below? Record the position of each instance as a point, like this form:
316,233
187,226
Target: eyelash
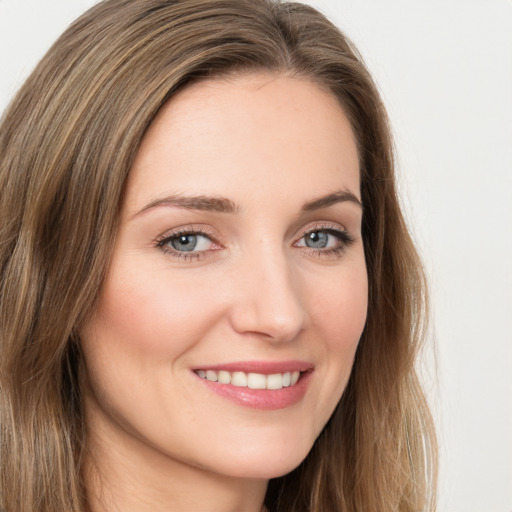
344,239
162,243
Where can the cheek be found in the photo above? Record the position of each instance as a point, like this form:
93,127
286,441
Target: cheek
149,314
339,309
135,343
338,312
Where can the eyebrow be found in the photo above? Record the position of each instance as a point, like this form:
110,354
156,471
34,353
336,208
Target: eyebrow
204,203
340,196
225,205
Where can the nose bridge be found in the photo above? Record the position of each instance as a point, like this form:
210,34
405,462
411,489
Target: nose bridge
269,300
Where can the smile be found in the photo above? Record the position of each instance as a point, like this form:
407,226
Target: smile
251,380
258,384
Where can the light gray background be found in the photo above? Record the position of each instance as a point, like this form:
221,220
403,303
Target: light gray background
445,72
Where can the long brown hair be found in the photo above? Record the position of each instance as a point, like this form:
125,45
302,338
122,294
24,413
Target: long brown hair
67,143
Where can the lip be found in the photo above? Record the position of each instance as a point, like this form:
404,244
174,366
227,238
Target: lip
263,367
263,399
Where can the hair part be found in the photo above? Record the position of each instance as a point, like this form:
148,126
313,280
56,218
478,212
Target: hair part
67,143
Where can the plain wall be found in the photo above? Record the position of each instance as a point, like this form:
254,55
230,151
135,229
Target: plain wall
445,72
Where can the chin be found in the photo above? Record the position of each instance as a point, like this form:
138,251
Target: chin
260,463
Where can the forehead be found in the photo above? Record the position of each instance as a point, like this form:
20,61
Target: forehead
243,133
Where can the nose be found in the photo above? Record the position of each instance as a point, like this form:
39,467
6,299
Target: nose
268,301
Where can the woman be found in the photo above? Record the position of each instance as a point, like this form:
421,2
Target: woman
209,298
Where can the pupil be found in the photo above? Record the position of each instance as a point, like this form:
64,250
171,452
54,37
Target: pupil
316,240
184,243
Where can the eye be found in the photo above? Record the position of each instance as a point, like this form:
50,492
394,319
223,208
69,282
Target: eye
325,241
319,239
187,244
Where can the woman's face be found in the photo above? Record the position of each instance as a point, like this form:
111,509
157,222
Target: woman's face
238,268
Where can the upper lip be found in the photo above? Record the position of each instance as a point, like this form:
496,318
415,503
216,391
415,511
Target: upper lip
263,367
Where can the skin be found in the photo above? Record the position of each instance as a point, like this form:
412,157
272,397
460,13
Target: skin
159,438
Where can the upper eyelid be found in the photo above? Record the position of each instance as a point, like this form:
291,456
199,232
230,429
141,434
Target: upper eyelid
319,226
326,225
187,230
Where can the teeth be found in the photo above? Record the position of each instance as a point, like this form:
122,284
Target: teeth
251,380
224,377
239,379
256,381
275,381
211,375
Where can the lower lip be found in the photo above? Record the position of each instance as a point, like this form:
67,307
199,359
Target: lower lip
265,399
